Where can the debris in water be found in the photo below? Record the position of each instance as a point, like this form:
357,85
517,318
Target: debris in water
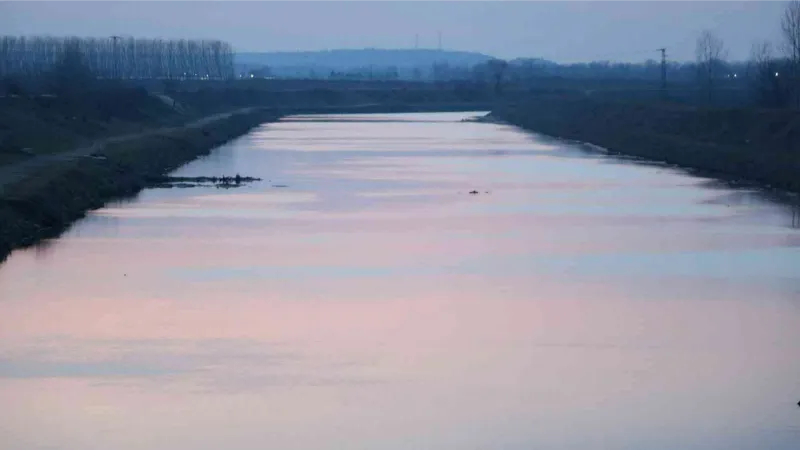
189,182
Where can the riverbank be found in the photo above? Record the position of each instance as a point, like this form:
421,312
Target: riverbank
44,205
761,146
44,192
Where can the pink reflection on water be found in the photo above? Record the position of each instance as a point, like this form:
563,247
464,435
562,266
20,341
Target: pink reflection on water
370,314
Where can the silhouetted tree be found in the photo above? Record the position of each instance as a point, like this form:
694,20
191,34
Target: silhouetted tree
497,70
790,26
71,76
710,53
763,69
120,57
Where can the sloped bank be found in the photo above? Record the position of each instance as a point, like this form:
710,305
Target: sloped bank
44,205
733,144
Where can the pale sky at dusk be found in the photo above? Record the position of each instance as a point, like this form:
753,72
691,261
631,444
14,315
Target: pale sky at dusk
563,31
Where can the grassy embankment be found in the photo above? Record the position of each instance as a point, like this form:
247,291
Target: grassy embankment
45,202
43,205
42,124
746,144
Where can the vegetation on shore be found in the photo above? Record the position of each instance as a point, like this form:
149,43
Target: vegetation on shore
73,109
95,89
760,146
45,205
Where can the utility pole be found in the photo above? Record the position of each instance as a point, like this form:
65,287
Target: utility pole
115,65
663,72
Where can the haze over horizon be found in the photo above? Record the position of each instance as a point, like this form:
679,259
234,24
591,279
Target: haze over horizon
564,31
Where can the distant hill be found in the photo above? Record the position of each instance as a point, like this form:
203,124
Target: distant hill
349,59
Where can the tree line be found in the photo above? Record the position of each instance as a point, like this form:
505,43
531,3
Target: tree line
119,57
770,78
773,71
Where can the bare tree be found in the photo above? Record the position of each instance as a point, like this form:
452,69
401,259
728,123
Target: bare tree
118,57
497,69
710,52
790,26
71,75
763,74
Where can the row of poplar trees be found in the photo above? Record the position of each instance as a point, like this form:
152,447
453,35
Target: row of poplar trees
119,57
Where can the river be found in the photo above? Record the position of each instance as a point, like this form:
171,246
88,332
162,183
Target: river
360,297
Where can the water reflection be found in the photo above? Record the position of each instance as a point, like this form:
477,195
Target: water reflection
374,303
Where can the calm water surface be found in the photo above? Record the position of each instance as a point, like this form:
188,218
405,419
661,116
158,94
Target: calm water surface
577,302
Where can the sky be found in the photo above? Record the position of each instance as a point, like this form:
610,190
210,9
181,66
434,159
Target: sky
563,31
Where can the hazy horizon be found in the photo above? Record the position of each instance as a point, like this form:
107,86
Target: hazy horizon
565,31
